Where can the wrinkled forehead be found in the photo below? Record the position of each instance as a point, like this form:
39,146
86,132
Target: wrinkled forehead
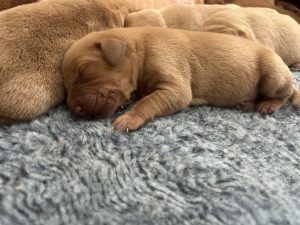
77,54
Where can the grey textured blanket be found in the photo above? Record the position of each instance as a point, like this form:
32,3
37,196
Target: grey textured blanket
204,165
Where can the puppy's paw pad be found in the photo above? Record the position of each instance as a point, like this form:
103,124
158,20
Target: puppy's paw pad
296,103
296,100
267,108
126,123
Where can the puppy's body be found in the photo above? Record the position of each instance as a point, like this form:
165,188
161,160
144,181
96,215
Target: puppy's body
33,41
7,4
265,26
135,5
181,16
168,70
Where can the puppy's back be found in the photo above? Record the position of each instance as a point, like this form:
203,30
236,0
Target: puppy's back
38,34
33,41
266,26
174,47
180,16
190,17
7,4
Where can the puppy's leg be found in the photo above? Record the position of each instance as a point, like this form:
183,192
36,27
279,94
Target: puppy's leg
26,96
276,84
296,97
164,101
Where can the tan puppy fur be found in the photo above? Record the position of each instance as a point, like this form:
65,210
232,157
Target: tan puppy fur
7,4
265,26
169,69
34,39
181,16
135,5
257,3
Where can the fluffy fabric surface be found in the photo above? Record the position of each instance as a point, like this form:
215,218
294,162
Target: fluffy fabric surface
204,165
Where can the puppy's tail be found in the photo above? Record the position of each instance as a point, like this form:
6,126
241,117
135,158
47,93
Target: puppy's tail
296,97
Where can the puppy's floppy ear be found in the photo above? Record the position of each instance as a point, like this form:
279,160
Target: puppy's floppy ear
245,32
113,50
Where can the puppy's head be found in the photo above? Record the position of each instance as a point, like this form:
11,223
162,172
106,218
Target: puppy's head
98,76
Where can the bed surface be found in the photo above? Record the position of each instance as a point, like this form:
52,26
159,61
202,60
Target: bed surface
204,165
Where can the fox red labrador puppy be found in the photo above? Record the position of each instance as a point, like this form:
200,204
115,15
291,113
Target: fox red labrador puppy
169,69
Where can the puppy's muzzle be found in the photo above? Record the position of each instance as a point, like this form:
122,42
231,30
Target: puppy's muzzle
92,105
85,104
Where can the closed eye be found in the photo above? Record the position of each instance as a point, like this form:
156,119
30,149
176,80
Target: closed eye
88,70
81,70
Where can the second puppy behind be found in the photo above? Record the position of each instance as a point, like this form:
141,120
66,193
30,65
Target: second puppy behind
181,16
33,41
265,26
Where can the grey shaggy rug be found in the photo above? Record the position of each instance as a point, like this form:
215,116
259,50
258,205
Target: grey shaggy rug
204,165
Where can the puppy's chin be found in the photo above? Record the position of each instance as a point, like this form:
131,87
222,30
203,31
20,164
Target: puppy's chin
106,112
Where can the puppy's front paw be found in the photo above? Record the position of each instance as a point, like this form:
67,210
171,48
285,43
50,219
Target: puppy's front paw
267,107
128,123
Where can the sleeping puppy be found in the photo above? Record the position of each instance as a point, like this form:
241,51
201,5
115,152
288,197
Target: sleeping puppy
265,26
34,39
257,3
133,5
169,69
181,16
